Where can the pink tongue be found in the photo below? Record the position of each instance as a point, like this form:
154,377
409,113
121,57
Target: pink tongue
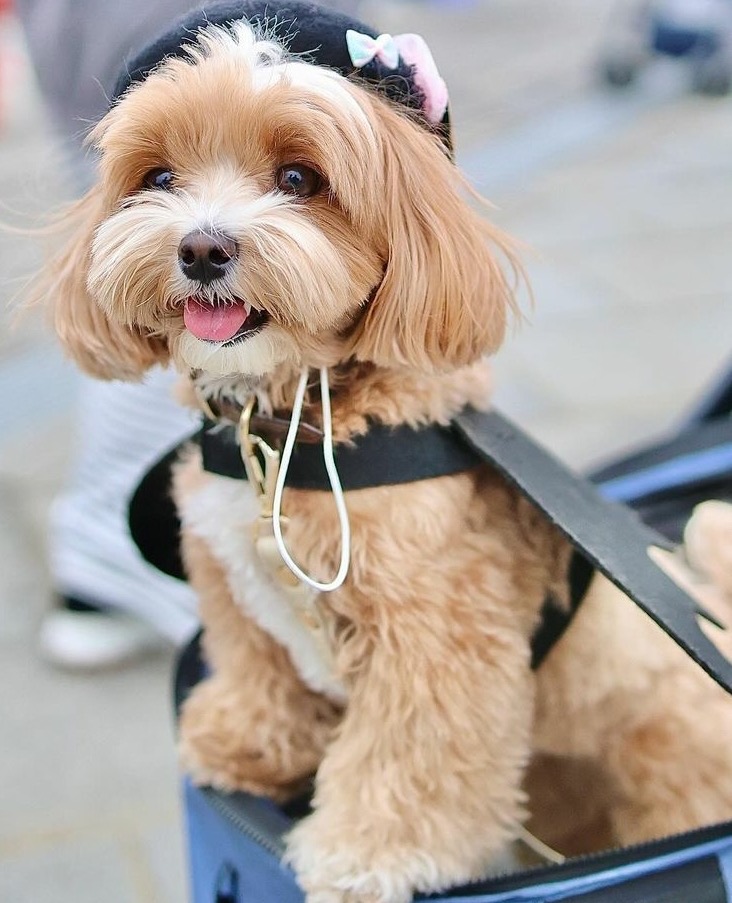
216,323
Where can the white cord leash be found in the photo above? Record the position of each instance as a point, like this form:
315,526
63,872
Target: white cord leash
335,485
538,847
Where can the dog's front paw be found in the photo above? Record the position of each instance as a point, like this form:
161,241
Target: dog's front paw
341,866
708,542
326,895
223,745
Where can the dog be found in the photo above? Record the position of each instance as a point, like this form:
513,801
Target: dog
708,548
260,217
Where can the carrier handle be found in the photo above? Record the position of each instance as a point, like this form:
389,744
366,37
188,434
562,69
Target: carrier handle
227,884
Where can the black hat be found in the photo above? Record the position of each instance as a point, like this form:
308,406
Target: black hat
322,36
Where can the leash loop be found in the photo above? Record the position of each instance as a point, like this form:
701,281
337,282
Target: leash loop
267,470
335,485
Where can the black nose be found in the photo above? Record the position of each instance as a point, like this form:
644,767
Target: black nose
206,257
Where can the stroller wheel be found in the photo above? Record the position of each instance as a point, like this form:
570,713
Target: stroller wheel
712,77
619,71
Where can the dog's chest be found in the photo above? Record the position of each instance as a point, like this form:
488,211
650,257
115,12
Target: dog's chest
222,512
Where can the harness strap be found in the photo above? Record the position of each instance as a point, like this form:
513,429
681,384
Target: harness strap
606,536
555,618
384,456
611,537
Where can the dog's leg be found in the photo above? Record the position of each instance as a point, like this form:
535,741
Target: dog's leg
252,725
421,788
708,543
671,762
618,691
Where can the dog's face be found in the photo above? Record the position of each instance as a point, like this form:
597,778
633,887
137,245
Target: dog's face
254,211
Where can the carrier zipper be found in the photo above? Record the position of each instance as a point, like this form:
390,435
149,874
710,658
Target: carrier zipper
609,858
612,857
244,825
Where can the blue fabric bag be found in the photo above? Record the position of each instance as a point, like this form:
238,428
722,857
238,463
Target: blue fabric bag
235,845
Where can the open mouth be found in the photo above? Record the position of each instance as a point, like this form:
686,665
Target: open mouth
223,322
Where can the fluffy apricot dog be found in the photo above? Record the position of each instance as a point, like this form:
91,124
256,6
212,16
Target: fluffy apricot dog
260,215
708,549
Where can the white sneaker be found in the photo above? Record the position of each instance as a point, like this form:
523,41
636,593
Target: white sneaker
94,640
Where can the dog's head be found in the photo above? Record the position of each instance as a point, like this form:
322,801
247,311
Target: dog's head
255,209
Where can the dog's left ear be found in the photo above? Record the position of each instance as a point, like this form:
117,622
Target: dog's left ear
101,346
445,297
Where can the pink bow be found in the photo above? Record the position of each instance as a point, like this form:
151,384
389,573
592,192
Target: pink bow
413,50
415,53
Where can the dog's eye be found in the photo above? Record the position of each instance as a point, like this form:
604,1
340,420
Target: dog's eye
158,178
299,180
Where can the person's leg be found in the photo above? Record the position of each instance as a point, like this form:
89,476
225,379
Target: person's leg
122,429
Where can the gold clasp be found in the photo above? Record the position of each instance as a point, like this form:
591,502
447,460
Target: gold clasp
262,480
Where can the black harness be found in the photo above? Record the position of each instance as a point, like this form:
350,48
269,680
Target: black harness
605,536
383,456
389,456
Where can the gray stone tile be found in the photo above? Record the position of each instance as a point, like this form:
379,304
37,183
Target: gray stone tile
28,483
634,184
83,871
684,133
165,854
609,361
663,270
690,200
23,578
550,220
593,439
552,292
89,750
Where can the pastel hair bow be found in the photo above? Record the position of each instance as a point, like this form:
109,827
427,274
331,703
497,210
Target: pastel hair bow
412,50
362,49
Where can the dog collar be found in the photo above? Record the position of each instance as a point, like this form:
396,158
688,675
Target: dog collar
383,456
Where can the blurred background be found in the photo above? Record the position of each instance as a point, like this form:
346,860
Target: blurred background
622,199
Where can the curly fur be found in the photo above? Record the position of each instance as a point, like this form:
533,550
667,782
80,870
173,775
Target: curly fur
425,761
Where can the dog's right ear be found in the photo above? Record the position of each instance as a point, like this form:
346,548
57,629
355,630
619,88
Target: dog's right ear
100,346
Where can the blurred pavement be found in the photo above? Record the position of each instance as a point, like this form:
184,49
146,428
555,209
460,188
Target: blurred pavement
625,205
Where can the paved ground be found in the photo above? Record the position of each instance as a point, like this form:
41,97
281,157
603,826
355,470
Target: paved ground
626,206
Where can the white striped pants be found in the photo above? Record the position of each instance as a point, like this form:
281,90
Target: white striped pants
122,430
